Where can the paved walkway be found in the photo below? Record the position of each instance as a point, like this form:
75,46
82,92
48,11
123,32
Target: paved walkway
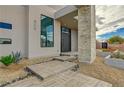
65,79
47,69
57,74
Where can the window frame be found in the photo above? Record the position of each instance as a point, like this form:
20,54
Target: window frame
46,31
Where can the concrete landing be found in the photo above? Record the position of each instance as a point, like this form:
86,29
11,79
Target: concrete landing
47,69
65,79
65,58
69,54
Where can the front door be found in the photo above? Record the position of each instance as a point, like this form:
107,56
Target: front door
65,39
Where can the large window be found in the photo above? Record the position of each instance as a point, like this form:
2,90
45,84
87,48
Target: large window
47,31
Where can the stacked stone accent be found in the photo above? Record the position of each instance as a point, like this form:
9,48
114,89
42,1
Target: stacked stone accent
86,34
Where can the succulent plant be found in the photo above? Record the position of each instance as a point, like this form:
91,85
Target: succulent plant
7,60
16,56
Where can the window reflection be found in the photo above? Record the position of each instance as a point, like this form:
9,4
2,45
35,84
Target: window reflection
47,31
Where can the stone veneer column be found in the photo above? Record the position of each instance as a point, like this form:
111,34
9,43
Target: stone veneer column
86,34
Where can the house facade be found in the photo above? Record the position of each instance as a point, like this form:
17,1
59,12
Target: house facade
45,30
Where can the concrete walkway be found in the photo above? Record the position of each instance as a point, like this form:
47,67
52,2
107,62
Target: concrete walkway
47,69
57,74
65,79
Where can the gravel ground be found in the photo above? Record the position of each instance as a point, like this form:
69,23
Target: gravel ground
12,72
103,72
16,71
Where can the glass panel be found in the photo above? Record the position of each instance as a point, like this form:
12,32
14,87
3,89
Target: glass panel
5,41
47,31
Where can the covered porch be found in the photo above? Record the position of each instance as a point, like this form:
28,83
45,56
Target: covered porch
82,40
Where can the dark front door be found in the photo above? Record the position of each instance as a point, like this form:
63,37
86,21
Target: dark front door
65,39
104,45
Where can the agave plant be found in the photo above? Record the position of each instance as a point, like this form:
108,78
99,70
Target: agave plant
16,56
7,60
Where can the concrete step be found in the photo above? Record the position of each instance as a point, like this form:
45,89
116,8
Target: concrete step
65,58
47,69
69,54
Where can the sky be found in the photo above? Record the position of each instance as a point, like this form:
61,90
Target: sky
105,36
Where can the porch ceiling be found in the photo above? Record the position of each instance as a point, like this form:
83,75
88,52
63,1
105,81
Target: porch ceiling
69,21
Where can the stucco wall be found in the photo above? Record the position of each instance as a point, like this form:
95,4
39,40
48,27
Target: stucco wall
25,34
34,33
74,41
16,15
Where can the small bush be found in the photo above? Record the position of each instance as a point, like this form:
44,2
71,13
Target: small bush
7,60
118,55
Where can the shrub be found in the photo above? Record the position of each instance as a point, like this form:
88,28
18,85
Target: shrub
116,40
117,55
7,60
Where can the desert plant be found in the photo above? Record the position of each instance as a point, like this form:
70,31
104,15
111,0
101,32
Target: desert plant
117,55
16,56
7,60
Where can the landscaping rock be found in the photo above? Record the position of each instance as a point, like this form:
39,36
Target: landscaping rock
1,64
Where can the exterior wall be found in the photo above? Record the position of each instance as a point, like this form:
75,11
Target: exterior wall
98,45
93,33
74,41
16,15
25,34
34,33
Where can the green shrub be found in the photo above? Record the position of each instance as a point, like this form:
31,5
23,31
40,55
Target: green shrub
116,40
7,60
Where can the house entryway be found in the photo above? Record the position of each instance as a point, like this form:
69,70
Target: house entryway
65,39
